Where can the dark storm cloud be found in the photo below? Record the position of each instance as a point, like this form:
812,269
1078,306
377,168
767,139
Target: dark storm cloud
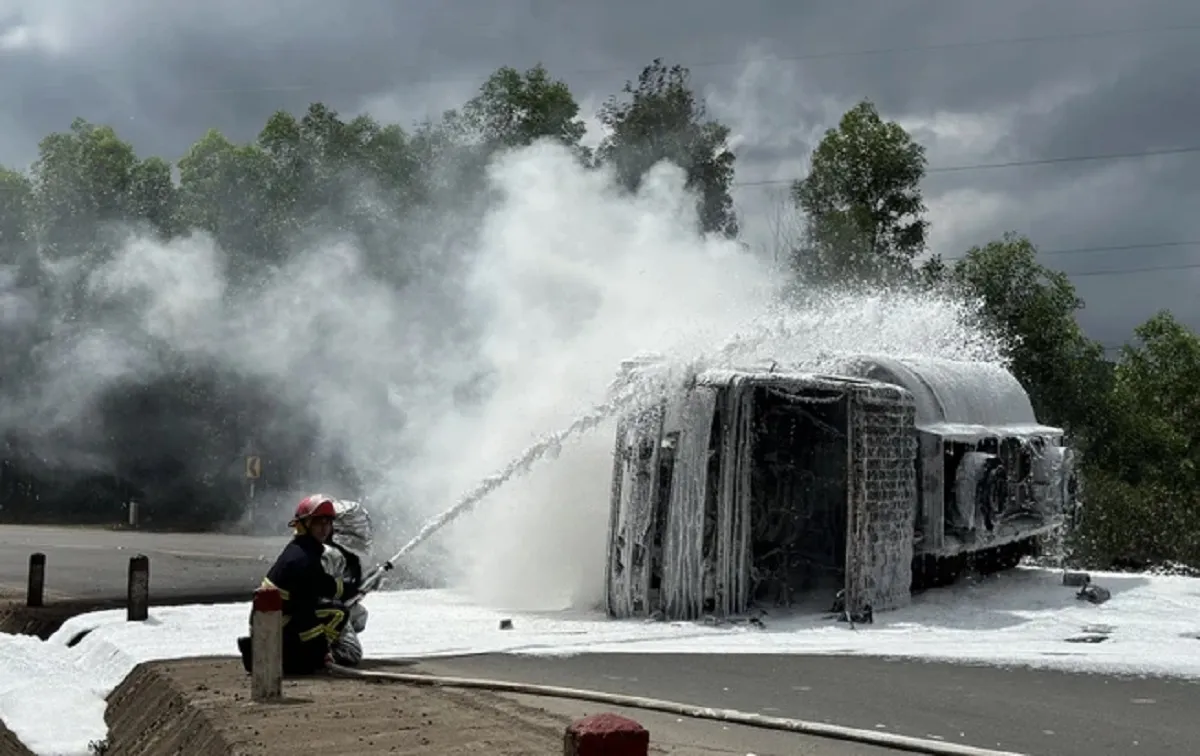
162,73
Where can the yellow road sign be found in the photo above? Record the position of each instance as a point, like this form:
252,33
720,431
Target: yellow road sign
253,468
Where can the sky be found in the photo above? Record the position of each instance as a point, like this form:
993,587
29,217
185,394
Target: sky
976,81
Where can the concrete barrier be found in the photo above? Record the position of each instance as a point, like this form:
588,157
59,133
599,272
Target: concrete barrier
266,645
606,735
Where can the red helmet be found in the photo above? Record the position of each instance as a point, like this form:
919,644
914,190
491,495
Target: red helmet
317,505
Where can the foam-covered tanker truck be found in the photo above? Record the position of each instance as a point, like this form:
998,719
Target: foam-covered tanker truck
755,487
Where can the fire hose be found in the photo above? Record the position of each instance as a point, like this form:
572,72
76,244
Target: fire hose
729,716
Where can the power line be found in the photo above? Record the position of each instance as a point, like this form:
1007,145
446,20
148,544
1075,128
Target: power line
1127,271
827,55
1018,163
1110,248
1116,272
1117,248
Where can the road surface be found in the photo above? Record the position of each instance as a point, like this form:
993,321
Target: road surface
1028,711
92,564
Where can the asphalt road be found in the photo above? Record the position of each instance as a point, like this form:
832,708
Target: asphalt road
1027,711
93,564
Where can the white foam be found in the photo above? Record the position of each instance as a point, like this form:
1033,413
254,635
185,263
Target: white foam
52,696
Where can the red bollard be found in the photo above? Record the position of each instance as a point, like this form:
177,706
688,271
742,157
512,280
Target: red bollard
606,735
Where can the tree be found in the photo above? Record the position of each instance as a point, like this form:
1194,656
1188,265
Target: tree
16,214
862,200
320,162
1141,506
19,269
152,195
357,177
1155,387
1034,308
662,119
82,178
514,109
225,189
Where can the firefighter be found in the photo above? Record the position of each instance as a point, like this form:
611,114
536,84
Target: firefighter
313,608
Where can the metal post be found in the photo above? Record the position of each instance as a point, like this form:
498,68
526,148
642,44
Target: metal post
138,601
133,514
37,580
266,645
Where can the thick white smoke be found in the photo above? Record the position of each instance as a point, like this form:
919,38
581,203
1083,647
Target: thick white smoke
573,277
343,343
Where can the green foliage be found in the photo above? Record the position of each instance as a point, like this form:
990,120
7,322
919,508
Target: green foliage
1127,525
660,118
1034,308
1152,454
862,201
16,214
514,110
82,178
152,195
1151,433
225,189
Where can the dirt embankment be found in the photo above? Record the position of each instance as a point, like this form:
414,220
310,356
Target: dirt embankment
201,707
10,746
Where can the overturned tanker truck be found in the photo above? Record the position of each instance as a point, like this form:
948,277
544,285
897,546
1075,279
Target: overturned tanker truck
765,487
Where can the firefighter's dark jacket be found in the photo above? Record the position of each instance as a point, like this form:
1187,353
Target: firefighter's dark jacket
305,586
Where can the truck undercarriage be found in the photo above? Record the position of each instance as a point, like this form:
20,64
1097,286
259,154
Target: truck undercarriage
755,489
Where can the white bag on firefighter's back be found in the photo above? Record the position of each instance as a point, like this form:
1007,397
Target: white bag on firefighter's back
352,529
353,532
